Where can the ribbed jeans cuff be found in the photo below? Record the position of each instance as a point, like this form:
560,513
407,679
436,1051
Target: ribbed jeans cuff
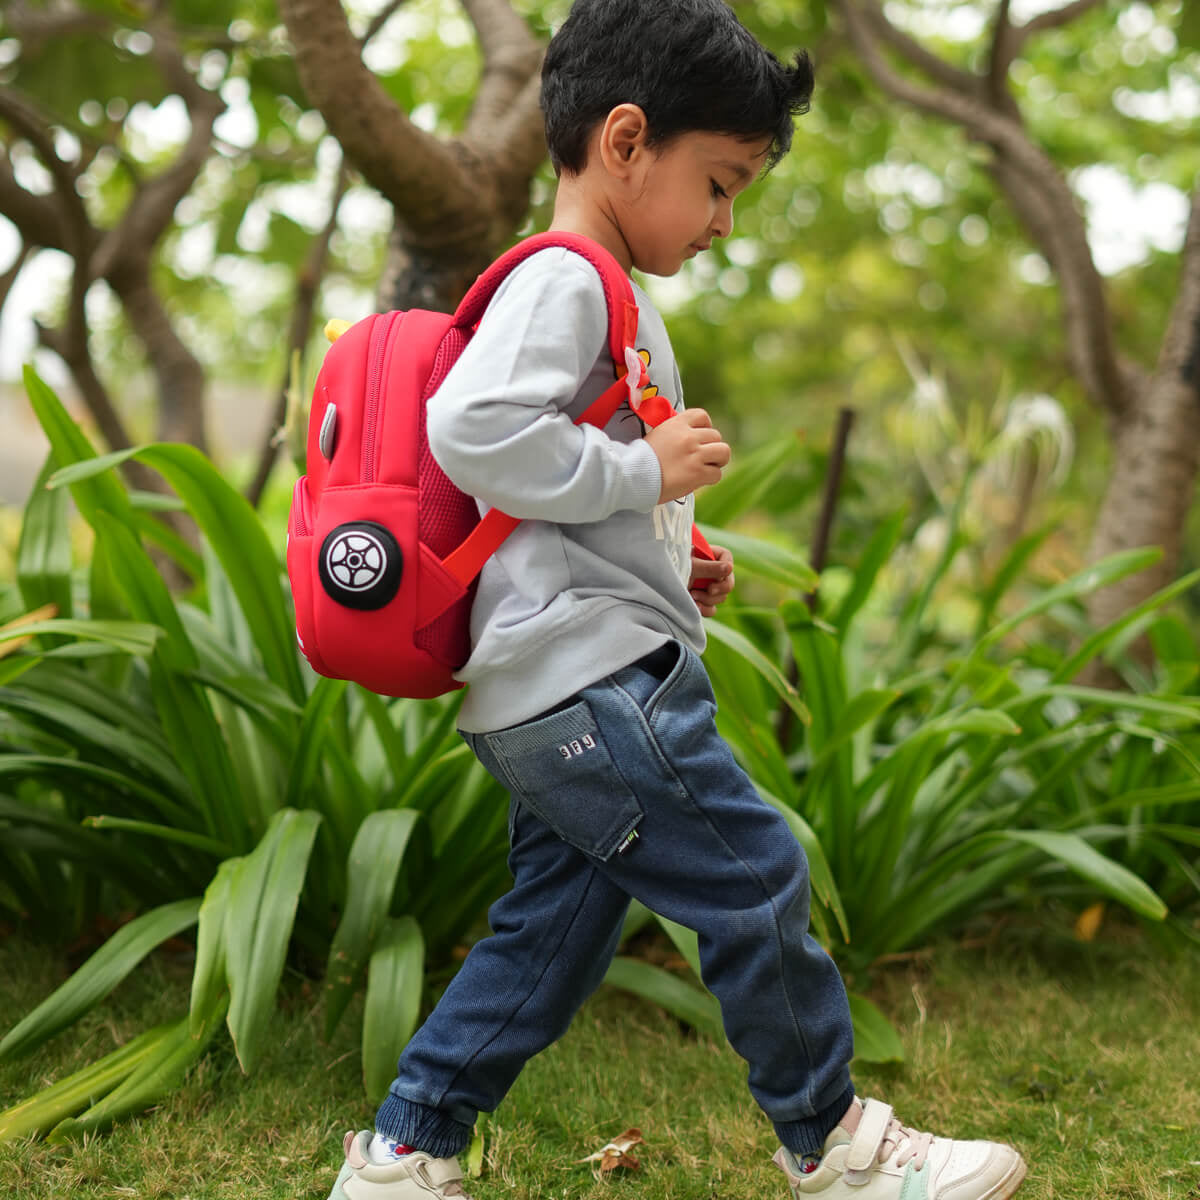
808,1136
423,1128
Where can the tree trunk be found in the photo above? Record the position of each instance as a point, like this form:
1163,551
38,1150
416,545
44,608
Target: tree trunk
418,277
1153,418
1156,450
1151,487
177,371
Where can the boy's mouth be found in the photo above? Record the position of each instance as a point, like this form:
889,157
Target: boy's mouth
699,247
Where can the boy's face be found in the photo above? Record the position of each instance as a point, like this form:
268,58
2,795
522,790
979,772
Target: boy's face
685,197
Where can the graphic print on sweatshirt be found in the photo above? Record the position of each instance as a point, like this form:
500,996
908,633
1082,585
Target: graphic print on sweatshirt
672,521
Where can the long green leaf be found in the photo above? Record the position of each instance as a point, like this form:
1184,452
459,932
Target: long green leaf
683,1000
209,977
56,840
184,710
1184,709
1133,618
314,729
821,880
163,833
878,550
1082,583
236,534
875,1037
1085,860
374,862
746,481
766,560
43,1111
264,892
395,978
87,715
778,682
132,637
99,975
79,772
685,941
44,549
101,493
156,1075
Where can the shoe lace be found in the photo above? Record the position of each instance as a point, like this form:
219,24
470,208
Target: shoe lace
907,1144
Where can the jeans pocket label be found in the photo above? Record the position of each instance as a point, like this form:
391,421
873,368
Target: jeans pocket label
577,746
560,768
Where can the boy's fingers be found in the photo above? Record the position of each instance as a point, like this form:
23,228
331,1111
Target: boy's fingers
703,568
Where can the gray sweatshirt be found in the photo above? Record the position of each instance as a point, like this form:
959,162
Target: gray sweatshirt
596,575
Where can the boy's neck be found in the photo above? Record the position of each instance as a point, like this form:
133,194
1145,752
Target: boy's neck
576,210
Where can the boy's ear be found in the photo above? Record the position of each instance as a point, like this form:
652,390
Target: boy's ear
623,137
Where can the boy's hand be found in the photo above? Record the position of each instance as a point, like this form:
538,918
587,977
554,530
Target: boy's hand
690,453
711,581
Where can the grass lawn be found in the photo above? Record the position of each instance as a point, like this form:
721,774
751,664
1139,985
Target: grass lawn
1086,1057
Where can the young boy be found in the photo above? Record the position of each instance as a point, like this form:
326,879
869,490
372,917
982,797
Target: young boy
587,698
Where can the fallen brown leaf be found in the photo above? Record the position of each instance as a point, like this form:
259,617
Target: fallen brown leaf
1087,924
616,1153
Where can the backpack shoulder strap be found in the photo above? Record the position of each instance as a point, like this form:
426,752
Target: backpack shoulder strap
467,561
618,291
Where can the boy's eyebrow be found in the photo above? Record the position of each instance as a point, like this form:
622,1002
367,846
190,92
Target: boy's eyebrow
740,172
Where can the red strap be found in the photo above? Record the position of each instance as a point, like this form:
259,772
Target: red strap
618,291
487,537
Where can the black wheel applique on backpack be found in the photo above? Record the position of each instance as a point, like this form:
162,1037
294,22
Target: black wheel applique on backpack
361,564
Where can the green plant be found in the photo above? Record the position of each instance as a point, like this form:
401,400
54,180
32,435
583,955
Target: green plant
172,755
933,787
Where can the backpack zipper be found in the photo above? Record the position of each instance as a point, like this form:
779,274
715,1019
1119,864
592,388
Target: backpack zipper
300,523
377,356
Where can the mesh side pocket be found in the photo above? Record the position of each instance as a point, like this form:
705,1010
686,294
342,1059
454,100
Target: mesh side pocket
445,518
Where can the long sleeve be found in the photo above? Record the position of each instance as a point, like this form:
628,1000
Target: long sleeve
502,424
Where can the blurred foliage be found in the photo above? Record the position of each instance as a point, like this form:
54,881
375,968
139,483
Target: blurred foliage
881,225
171,758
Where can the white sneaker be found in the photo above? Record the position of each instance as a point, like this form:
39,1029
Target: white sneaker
415,1176
884,1160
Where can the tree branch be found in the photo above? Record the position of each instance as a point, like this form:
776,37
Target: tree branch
381,18
152,207
930,65
41,224
1180,353
511,55
1040,194
1058,17
35,26
37,129
66,345
518,149
1010,39
1002,52
308,283
429,186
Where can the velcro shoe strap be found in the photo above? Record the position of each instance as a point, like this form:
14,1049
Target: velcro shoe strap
442,1171
866,1142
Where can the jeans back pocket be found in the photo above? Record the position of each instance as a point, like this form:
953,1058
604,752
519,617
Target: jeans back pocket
559,767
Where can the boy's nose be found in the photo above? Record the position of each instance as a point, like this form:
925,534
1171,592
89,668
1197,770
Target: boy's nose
723,222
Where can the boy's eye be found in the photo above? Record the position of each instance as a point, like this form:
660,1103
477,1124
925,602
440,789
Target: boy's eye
717,190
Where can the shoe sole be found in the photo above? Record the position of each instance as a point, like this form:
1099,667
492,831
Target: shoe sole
1009,1184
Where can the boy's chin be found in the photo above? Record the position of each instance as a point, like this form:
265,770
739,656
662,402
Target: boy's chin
663,268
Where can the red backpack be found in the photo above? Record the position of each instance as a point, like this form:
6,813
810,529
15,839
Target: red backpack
383,550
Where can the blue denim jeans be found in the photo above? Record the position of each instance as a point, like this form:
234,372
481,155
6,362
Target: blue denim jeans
628,790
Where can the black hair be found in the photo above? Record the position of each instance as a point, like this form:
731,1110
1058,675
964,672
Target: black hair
688,64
